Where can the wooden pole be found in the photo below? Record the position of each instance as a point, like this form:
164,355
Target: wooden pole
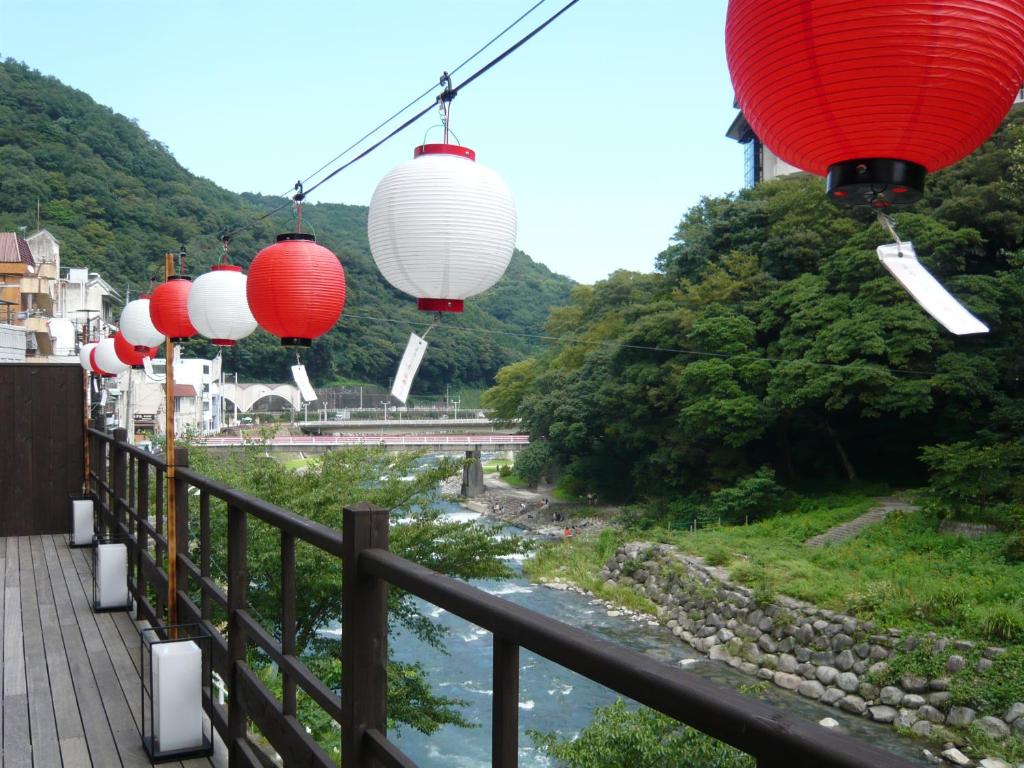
172,507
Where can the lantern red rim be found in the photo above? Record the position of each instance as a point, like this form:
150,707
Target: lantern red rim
223,342
439,305
444,149
225,268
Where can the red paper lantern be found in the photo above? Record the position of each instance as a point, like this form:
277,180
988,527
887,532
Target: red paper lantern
876,93
127,353
168,309
296,289
95,368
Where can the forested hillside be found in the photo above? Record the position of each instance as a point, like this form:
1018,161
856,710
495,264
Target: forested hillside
772,344
118,200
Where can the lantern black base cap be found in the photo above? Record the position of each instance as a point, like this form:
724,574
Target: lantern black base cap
156,755
295,341
179,339
880,182
286,236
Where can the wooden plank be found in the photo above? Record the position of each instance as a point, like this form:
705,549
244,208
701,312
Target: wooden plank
68,722
127,739
3,603
98,737
16,733
43,727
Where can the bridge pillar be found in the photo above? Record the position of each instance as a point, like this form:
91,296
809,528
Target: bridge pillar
472,474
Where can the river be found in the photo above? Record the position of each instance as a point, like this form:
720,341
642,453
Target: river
555,699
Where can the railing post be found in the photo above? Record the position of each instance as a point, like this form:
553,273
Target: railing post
102,497
141,541
238,583
178,542
364,634
118,480
505,704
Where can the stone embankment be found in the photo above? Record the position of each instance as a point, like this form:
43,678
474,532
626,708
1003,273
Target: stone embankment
820,654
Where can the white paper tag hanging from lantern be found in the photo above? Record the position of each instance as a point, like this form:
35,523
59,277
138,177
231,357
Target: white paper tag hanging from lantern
901,261
411,360
302,382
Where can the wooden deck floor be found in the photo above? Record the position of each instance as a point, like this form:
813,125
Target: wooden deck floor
70,676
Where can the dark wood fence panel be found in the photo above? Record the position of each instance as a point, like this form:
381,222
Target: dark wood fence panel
41,449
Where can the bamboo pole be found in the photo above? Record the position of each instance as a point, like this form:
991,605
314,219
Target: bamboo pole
171,516
85,427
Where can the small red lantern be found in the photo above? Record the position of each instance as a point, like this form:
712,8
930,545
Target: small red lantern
168,309
95,368
875,93
296,289
127,353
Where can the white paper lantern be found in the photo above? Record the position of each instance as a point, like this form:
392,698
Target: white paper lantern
441,227
218,308
83,356
136,326
107,359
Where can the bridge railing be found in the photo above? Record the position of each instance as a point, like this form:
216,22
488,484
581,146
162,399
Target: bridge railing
129,485
376,439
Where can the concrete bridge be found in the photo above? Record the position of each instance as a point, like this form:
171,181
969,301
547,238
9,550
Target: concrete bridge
428,442
398,425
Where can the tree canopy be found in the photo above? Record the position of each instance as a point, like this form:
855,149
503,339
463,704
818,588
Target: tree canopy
771,342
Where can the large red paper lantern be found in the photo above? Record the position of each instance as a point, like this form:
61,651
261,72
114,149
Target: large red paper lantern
168,308
875,93
296,289
128,354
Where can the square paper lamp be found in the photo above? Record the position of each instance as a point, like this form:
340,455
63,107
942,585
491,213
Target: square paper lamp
176,669
82,512
110,577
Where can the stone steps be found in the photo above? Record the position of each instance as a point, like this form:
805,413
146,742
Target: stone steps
851,528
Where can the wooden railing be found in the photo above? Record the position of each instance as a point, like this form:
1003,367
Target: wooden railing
129,484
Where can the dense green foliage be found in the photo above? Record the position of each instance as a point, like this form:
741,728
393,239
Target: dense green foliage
118,200
773,338
622,738
319,492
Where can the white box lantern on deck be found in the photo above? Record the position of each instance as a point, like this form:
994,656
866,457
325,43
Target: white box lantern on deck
110,576
83,511
176,669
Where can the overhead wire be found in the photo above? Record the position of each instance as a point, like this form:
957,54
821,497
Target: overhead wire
640,347
448,94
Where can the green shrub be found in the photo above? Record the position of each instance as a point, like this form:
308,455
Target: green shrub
718,556
1013,549
1001,623
976,482
752,497
504,470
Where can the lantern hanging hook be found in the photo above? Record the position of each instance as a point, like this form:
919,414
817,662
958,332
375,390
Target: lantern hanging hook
181,260
889,224
225,242
444,102
298,197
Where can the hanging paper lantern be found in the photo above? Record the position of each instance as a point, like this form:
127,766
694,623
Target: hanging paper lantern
105,358
95,367
441,227
168,309
137,327
85,356
296,289
128,354
874,93
217,306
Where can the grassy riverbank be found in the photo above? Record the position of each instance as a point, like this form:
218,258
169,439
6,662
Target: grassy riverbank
900,572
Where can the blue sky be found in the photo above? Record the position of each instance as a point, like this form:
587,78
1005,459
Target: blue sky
607,126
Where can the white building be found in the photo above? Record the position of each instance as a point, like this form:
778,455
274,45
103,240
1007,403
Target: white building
142,399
